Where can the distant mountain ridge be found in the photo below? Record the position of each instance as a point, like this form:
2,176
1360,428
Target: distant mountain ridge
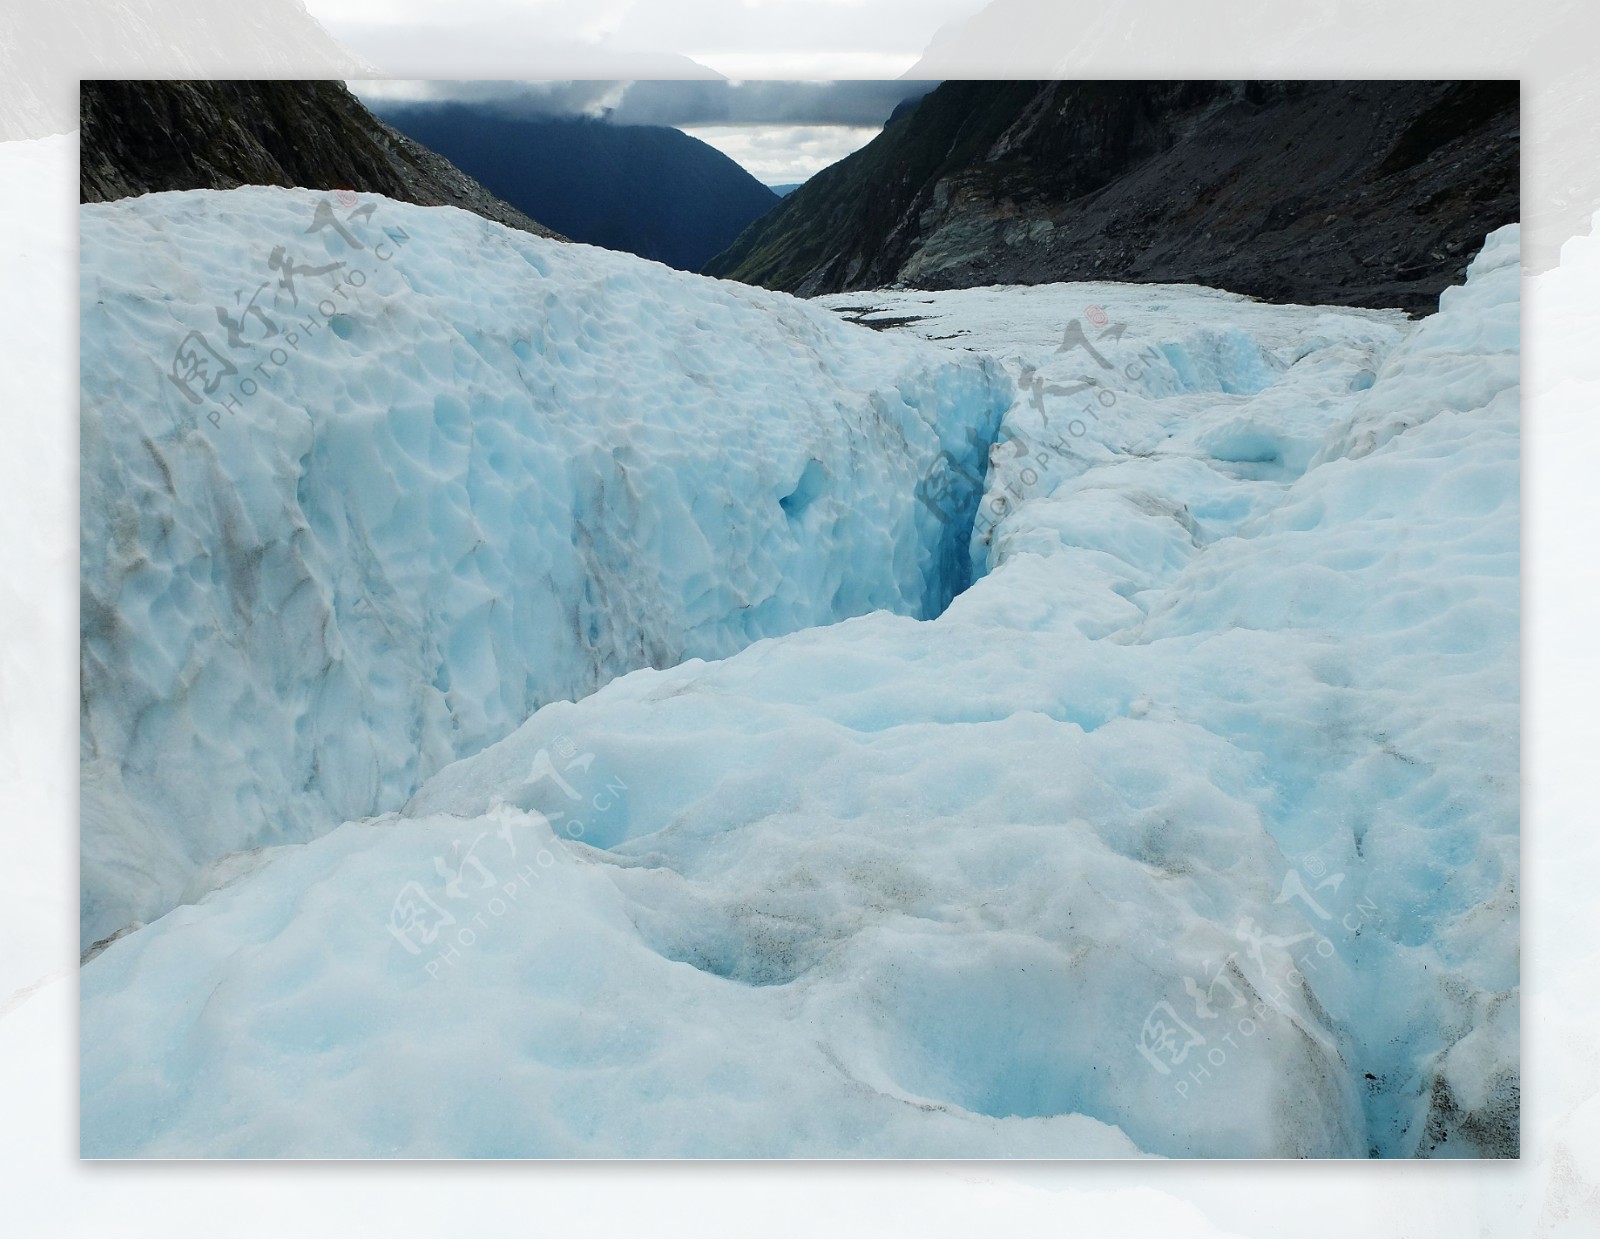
141,137
1345,193
646,189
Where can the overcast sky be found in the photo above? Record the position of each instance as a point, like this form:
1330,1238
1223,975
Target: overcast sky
781,132
595,38
619,40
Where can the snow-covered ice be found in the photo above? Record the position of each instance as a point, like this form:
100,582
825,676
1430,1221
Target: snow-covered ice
365,484
1189,829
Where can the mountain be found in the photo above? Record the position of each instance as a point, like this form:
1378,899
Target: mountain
1549,46
141,137
1343,193
646,189
783,191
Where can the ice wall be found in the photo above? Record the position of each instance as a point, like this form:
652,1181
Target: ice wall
365,484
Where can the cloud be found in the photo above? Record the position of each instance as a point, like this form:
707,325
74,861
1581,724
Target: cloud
780,132
601,38
680,103
683,104
784,154
518,99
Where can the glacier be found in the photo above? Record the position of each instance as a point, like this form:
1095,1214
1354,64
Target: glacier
1134,773
348,516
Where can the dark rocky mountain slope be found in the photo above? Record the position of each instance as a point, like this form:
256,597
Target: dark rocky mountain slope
651,190
139,137
1344,193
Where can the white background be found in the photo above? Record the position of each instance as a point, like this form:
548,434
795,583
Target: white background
46,47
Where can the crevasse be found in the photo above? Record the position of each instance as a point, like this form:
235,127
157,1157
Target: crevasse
1190,828
416,507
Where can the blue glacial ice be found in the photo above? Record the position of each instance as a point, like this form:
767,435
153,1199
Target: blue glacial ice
441,480
1190,828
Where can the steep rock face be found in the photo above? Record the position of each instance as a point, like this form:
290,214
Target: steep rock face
143,137
1549,46
1342,193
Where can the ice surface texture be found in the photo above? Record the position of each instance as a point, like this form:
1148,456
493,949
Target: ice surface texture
1189,829
457,472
